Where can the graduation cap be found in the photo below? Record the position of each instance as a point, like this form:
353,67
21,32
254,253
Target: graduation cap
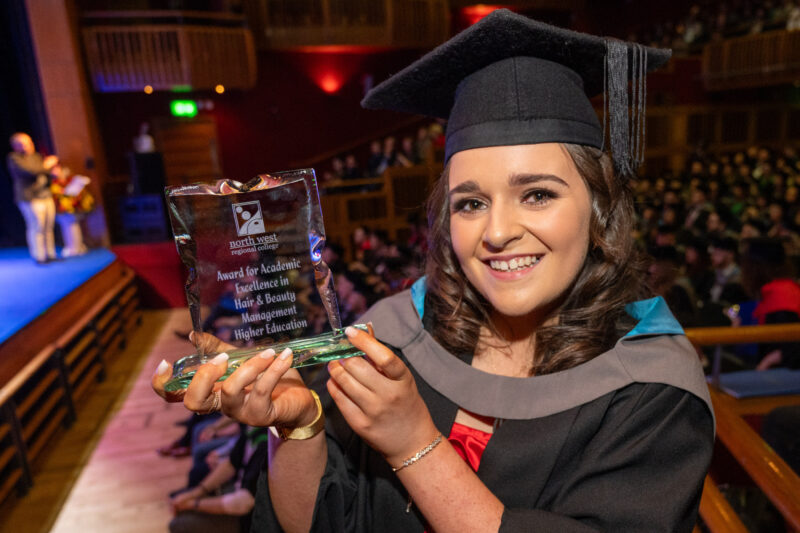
510,80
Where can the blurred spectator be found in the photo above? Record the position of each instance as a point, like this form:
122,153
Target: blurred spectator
406,156
793,18
351,168
723,261
436,134
699,208
377,162
223,501
664,279
767,275
143,143
423,145
337,168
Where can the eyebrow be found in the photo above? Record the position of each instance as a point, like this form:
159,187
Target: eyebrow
518,180
514,180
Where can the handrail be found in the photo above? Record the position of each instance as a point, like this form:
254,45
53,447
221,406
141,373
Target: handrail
744,334
716,512
98,306
21,377
775,478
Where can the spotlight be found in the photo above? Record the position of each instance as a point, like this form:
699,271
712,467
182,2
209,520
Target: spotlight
148,89
220,89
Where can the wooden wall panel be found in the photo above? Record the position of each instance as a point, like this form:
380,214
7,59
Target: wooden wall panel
73,126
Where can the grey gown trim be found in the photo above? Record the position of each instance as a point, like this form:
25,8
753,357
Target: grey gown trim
666,359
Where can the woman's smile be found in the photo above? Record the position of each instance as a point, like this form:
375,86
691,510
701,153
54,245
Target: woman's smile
512,267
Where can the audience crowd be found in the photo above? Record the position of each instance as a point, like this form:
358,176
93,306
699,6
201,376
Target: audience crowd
720,233
714,20
386,153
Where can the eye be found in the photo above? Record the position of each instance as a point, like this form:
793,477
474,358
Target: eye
468,205
539,197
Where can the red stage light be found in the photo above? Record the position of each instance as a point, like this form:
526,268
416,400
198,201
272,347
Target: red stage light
330,82
473,14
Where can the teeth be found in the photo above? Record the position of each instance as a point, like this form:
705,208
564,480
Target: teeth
515,264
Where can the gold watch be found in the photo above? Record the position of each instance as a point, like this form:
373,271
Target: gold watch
305,432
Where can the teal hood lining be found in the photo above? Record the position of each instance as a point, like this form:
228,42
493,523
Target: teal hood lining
653,314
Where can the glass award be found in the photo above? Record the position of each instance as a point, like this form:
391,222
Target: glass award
256,274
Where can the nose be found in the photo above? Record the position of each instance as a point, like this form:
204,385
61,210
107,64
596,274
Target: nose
502,228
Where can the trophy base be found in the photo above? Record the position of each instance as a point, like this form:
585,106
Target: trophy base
305,352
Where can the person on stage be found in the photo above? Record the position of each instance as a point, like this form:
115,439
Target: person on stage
524,384
30,173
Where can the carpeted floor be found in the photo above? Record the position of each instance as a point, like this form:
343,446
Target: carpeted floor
124,486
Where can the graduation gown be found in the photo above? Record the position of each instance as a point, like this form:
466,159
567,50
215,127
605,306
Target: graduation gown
619,443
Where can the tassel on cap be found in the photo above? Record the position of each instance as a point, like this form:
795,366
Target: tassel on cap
626,66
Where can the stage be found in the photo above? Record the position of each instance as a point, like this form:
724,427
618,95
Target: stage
29,290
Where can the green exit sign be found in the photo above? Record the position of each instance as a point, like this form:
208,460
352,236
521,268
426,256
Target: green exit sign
183,108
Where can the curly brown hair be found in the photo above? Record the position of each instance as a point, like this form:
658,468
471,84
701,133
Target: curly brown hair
591,316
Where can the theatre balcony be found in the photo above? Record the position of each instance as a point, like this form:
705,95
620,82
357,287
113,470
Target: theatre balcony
301,24
761,60
167,50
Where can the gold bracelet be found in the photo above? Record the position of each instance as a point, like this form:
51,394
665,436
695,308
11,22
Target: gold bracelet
420,454
305,432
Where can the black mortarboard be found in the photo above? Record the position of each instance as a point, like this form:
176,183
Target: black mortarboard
511,80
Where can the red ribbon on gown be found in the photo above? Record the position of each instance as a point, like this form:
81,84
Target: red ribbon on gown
469,443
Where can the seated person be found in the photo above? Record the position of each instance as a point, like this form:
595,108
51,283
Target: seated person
224,499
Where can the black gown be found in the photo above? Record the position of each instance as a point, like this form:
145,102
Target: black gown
620,443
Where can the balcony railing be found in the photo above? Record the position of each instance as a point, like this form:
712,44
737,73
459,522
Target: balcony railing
128,51
762,60
298,24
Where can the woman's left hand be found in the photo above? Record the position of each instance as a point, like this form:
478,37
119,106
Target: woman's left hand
379,399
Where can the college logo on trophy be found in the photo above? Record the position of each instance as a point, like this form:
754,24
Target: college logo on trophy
248,218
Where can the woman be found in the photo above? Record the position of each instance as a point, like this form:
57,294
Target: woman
511,345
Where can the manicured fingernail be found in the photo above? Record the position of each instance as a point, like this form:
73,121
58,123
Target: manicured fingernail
162,368
286,354
266,354
220,359
350,331
191,336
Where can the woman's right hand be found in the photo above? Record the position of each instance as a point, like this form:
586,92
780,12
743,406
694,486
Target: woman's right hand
263,391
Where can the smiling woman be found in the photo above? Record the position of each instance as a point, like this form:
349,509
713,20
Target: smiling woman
567,403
